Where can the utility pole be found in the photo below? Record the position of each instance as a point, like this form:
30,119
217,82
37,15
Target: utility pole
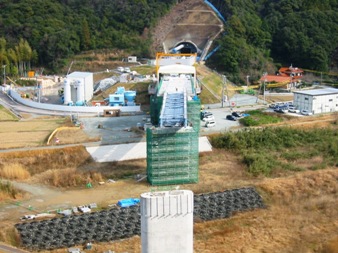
264,90
247,81
38,87
224,83
4,66
321,78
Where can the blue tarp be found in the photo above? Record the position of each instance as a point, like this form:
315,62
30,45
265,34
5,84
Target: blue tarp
128,202
215,10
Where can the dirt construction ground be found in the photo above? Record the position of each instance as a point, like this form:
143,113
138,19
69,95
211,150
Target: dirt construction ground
301,213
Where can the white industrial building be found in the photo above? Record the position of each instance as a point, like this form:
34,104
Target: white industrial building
78,88
167,221
317,100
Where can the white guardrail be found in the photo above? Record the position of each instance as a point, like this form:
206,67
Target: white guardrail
65,108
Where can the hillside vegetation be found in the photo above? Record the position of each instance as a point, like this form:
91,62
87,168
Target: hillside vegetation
258,34
46,32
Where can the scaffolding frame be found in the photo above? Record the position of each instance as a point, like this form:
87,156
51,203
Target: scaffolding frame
173,153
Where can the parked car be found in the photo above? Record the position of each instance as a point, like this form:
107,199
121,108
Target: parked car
237,114
127,70
281,110
306,112
120,69
272,106
205,113
209,118
210,124
231,117
293,109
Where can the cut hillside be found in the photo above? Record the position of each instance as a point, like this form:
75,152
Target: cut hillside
166,23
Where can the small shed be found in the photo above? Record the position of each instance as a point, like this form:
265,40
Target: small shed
132,59
111,113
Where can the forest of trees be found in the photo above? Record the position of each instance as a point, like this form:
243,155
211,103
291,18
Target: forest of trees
303,33
55,30
258,33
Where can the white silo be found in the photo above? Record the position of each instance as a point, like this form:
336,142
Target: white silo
167,221
66,92
79,92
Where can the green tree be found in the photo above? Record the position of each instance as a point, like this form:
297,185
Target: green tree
86,42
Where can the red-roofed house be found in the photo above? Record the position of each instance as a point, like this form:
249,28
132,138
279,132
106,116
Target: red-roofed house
295,73
286,78
275,79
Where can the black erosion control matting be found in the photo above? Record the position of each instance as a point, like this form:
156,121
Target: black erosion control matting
117,223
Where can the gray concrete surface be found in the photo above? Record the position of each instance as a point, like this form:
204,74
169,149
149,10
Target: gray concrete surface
113,129
130,151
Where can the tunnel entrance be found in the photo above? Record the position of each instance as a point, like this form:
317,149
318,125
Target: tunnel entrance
185,48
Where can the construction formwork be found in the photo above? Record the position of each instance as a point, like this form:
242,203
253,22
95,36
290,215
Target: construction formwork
172,156
194,111
155,108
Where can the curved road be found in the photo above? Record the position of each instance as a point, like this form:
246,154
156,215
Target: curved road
6,248
18,108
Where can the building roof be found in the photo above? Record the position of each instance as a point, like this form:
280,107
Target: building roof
275,78
177,69
318,92
78,74
290,70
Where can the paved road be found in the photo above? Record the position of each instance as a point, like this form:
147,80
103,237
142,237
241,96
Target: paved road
242,103
5,248
17,108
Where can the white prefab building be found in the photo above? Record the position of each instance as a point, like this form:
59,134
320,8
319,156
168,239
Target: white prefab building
78,88
167,221
132,58
317,101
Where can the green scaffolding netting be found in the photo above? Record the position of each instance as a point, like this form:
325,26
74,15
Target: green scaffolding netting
172,156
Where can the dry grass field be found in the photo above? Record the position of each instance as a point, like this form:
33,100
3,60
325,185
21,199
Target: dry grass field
301,213
30,133
35,132
6,115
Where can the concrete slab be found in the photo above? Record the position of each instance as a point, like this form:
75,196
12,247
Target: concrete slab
130,151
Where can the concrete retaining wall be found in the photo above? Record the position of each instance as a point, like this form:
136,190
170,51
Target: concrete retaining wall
70,109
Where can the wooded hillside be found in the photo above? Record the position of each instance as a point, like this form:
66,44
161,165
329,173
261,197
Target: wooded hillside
258,33
303,33
59,29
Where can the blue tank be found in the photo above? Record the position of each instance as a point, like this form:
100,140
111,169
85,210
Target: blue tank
130,95
120,90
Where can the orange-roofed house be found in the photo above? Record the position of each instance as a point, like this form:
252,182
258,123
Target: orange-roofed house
295,73
286,78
